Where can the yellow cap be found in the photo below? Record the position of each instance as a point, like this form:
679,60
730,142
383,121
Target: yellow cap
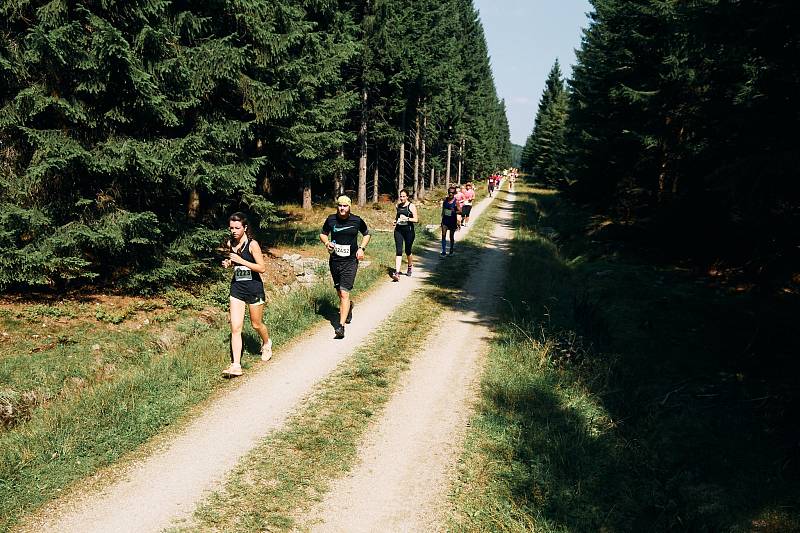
343,200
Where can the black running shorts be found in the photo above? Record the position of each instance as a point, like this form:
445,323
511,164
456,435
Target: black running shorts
465,209
344,274
250,292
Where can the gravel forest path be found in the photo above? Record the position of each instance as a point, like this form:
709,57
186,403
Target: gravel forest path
163,488
407,461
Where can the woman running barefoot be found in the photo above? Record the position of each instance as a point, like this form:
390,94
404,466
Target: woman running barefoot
247,289
404,221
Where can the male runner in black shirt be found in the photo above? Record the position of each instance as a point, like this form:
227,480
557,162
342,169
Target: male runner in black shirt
340,235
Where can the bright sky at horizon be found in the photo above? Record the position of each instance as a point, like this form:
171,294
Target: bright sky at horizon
525,37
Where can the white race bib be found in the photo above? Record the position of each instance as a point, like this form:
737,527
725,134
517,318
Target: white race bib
402,220
242,273
342,250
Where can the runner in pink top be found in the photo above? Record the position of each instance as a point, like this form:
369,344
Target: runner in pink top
469,197
460,197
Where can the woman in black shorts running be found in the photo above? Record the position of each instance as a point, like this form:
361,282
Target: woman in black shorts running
404,221
247,289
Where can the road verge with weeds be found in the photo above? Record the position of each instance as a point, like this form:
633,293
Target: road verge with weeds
622,395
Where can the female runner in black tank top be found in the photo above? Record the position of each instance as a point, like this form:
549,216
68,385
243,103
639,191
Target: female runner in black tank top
404,221
247,289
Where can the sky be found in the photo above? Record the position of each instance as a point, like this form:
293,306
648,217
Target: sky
525,37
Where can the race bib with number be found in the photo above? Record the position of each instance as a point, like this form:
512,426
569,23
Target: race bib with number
448,212
402,220
342,250
242,273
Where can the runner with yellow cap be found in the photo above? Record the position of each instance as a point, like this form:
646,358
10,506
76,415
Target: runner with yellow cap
340,236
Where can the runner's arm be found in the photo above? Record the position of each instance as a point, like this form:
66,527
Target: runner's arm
414,215
259,266
227,263
323,236
365,232
326,241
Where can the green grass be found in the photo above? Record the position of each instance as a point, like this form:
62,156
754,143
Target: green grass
622,395
83,383
98,404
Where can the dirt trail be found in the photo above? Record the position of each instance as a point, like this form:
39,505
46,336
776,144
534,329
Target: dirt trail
165,487
407,461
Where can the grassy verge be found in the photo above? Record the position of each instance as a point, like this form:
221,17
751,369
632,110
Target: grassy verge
290,470
85,381
625,396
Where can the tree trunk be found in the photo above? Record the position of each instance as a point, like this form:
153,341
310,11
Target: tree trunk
433,177
307,194
401,175
375,182
416,152
266,182
460,158
422,163
338,186
362,160
266,185
193,205
447,170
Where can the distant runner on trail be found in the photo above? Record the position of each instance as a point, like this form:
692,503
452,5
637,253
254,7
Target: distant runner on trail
490,185
404,221
469,197
460,197
246,289
340,236
450,211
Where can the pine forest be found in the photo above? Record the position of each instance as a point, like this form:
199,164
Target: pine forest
679,122
130,130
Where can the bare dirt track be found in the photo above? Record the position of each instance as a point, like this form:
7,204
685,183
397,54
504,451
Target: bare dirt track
164,488
406,462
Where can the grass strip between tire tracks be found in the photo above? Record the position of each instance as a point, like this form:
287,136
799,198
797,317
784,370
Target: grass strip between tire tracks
291,469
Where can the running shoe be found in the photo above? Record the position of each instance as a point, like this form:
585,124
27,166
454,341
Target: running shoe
338,332
450,252
266,351
350,314
408,272
442,254
395,276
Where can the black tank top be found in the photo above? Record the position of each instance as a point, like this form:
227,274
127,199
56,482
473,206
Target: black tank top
241,271
404,210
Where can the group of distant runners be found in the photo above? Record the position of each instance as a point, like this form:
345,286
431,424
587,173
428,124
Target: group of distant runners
339,235
493,181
